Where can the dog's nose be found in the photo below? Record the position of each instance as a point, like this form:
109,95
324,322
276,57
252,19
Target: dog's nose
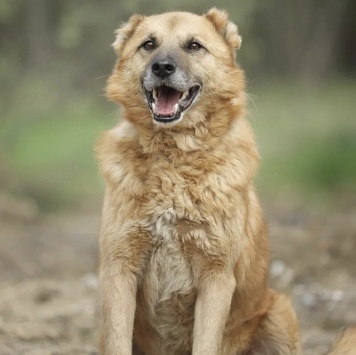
163,67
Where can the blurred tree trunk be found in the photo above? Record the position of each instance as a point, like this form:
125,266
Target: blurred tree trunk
320,47
37,33
302,36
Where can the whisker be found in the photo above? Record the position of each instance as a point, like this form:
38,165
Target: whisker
253,102
103,76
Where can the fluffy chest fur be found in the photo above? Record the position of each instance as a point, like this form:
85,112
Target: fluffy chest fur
196,184
167,294
168,270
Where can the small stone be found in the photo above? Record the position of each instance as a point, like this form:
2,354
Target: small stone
277,268
91,281
308,300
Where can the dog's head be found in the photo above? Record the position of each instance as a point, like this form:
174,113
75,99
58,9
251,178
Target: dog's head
176,64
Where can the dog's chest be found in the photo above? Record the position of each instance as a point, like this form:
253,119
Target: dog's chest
168,293
168,271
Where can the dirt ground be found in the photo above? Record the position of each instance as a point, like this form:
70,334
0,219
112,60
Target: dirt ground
49,301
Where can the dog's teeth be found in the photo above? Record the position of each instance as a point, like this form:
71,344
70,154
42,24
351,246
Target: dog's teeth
154,94
176,106
153,107
184,95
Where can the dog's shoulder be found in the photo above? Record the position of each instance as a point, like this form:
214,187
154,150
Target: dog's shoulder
117,152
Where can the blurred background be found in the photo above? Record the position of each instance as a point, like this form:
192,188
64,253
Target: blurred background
55,57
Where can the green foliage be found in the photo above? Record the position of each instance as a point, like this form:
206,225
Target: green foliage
307,138
51,156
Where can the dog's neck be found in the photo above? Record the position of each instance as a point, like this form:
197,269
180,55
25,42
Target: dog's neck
205,135
185,140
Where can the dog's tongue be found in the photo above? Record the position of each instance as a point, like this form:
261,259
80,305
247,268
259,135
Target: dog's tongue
166,99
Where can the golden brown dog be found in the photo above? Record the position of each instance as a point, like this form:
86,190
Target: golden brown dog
183,246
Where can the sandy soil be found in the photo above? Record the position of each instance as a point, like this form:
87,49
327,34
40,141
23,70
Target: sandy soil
49,287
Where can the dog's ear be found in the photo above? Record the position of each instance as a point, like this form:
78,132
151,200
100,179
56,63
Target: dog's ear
226,28
126,31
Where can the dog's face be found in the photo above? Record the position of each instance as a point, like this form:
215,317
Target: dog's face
173,65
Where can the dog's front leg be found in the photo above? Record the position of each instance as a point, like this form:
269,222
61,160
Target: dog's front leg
123,251
118,306
211,311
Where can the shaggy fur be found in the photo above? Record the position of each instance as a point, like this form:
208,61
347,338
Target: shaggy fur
345,343
183,246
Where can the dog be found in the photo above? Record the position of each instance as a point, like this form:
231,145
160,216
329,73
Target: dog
183,245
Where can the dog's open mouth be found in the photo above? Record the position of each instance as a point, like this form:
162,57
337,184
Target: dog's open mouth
167,103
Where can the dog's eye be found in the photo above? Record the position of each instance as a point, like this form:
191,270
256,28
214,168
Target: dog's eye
148,46
194,46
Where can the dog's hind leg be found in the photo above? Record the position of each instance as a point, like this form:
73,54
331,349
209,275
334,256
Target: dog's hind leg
345,343
278,332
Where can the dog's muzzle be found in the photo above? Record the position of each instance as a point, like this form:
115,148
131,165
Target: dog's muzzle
169,90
